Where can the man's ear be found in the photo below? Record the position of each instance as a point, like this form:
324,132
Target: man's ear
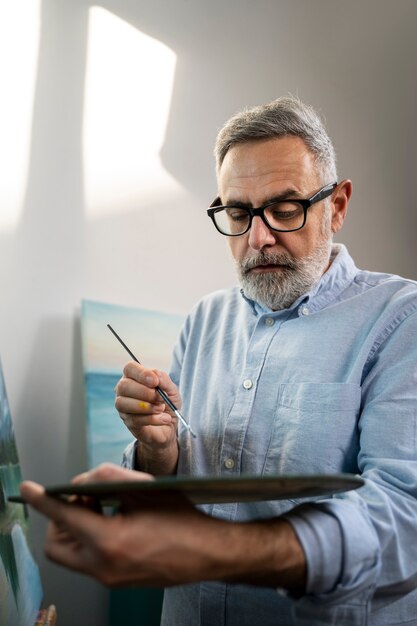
340,201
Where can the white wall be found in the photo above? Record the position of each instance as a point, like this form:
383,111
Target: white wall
355,61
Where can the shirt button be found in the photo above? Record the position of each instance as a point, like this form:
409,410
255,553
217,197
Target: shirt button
305,311
247,383
269,321
229,463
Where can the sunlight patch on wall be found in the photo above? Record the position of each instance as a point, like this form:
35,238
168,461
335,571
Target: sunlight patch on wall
19,44
129,81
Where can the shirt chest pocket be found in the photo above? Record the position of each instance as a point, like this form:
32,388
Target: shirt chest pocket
314,429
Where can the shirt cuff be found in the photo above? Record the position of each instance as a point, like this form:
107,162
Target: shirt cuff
315,529
129,456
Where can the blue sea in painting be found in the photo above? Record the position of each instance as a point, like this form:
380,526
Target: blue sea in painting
108,436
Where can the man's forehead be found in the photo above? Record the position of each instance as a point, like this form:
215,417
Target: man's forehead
268,167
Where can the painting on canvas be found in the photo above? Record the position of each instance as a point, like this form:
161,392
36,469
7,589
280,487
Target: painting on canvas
20,584
151,335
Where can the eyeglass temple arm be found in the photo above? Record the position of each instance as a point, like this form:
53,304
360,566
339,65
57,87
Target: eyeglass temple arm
323,193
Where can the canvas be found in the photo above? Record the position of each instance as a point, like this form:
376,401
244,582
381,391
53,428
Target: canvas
20,584
151,335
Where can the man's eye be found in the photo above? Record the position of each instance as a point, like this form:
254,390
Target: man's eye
285,212
283,215
237,215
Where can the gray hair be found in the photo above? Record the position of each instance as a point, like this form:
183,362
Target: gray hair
282,117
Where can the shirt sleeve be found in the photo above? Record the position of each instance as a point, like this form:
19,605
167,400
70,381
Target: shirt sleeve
360,546
180,349
129,455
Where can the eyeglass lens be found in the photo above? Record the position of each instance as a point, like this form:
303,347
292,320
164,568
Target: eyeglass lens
280,215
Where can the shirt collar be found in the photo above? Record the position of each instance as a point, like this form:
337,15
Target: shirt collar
340,274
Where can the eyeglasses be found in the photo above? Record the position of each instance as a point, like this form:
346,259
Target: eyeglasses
283,215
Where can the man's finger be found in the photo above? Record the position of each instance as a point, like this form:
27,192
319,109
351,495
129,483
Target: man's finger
78,518
140,374
107,472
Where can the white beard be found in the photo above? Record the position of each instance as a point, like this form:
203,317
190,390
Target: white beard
278,289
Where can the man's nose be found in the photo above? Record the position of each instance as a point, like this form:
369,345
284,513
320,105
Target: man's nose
260,235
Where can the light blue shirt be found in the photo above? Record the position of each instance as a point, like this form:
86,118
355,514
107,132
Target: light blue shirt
328,385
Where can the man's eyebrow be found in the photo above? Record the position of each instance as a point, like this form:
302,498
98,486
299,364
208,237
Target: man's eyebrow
286,194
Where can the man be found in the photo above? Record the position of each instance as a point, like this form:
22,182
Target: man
310,367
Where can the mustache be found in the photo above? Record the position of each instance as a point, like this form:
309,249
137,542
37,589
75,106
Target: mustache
264,258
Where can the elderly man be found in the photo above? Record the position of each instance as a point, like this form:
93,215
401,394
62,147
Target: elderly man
309,367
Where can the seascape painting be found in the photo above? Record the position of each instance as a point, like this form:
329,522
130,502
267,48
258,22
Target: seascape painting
151,336
20,584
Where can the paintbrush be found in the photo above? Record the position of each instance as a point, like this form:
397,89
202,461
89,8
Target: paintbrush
158,389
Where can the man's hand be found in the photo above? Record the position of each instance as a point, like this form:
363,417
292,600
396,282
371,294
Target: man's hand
146,545
148,418
165,541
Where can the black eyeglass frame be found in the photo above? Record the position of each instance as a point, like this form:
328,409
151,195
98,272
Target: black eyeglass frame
321,194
